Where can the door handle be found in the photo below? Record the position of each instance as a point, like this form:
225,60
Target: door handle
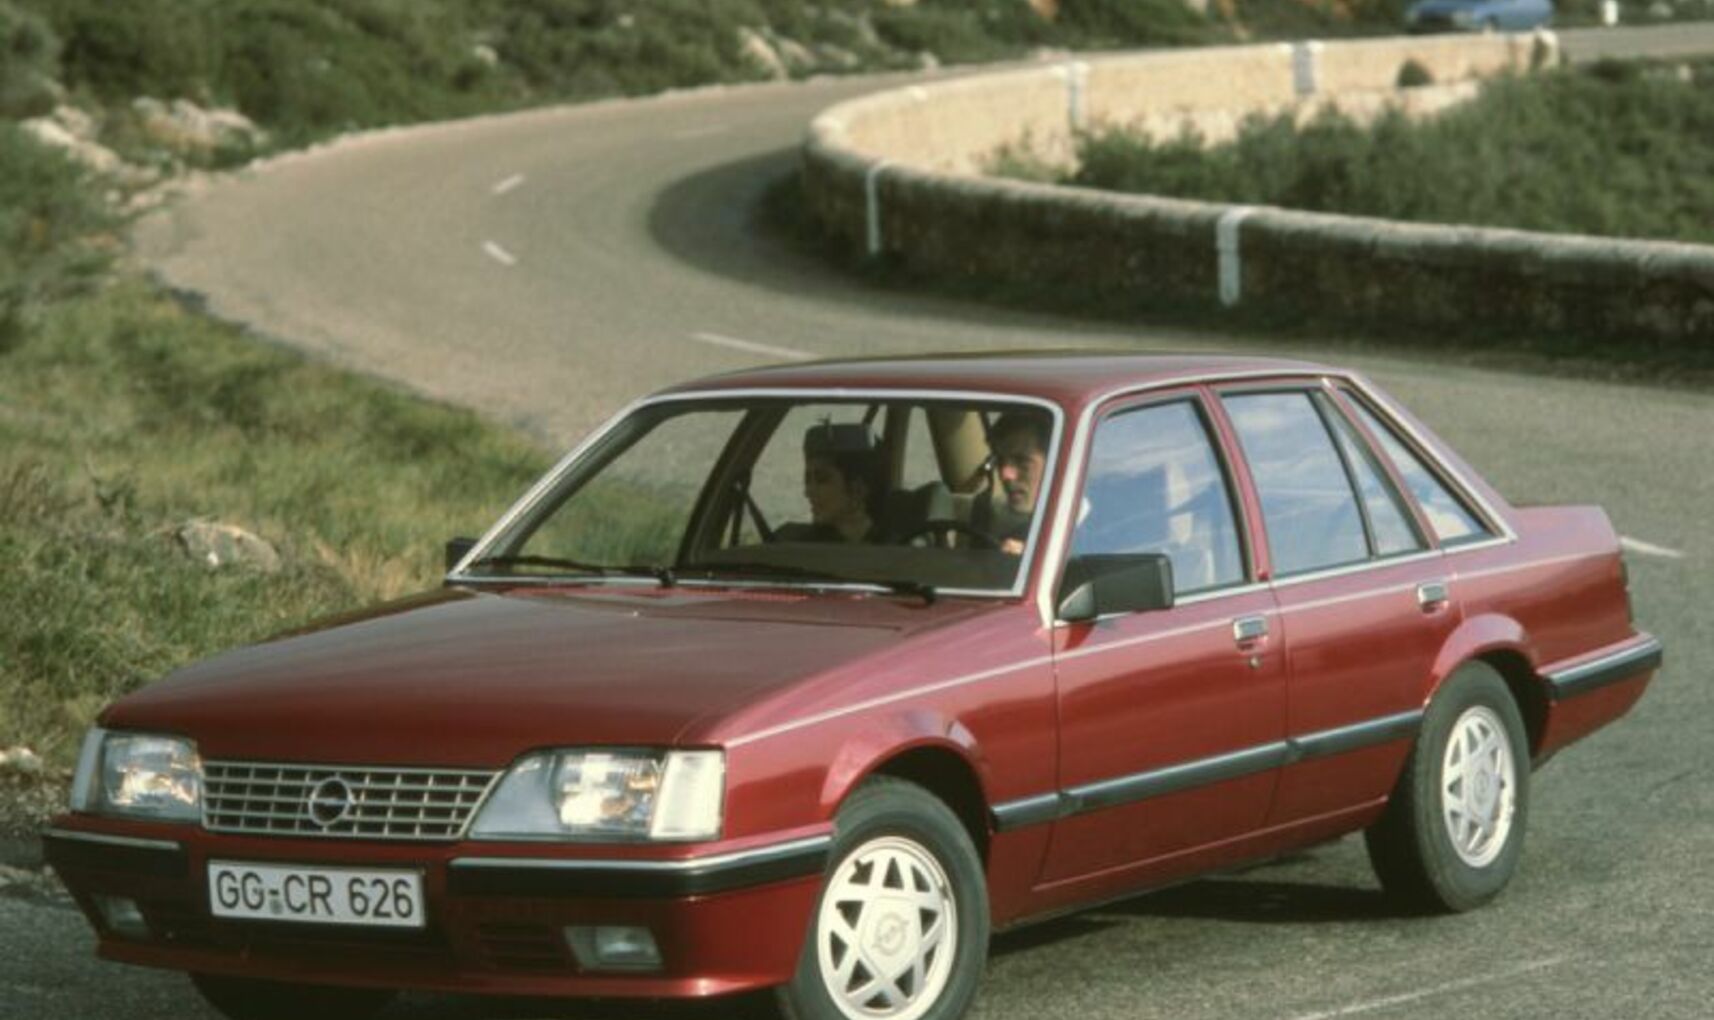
1432,595
1246,629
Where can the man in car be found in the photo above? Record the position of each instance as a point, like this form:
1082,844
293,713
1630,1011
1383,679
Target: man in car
1018,442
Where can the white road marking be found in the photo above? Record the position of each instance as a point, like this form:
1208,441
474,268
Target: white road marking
701,132
508,184
1450,986
1649,549
499,254
750,346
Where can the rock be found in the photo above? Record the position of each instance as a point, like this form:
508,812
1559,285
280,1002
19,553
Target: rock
79,124
21,760
485,55
184,127
50,132
838,56
796,55
217,545
760,54
928,61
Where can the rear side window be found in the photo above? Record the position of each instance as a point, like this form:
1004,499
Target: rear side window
1308,505
1450,518
1389,522
1155,486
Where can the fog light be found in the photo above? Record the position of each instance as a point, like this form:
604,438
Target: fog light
614,948
122,916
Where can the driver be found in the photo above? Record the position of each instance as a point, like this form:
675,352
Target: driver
1018,442
842,482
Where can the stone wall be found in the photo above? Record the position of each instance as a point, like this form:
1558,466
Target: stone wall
898,174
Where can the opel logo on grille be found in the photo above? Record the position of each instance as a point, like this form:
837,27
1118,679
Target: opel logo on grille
330,801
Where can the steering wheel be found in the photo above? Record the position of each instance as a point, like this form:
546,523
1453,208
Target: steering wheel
978,539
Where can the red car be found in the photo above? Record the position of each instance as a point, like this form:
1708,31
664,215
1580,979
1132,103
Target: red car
811,677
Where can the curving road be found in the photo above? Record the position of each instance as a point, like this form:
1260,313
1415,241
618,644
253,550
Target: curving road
547,267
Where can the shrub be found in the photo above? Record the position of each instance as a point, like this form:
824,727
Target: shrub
1606,151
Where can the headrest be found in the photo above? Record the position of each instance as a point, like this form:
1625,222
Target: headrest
828,439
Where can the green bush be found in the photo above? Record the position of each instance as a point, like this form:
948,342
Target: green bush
51,223
29,63
1620,153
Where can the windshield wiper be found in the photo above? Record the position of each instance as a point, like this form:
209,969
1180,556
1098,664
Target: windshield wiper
664,575
541,561
785,571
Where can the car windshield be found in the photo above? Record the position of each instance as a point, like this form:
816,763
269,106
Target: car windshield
915,494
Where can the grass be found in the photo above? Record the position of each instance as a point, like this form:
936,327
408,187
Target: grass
123,415
1617,150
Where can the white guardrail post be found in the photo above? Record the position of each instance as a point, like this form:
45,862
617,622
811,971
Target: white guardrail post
1226,243
872,203
1306,68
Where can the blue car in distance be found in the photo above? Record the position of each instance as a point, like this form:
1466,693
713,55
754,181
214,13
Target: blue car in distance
1478,15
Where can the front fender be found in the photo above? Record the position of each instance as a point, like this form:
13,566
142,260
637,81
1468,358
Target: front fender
867,750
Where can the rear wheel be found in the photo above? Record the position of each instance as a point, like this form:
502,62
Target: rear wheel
900,931
254,999
1453,831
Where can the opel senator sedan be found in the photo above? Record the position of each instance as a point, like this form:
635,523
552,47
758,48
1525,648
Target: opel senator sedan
811,677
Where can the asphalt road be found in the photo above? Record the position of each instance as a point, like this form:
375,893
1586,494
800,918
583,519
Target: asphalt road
547,267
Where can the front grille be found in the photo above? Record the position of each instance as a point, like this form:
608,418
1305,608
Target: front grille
349,802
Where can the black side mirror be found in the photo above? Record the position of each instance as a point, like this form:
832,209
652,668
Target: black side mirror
1096,586
456,549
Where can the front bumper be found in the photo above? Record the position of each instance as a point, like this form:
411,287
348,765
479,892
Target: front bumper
725,921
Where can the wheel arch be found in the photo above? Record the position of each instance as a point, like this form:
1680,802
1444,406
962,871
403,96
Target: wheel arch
1500,643
942,759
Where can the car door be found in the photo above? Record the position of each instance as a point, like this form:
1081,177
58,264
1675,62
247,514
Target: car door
1171,721
1364,599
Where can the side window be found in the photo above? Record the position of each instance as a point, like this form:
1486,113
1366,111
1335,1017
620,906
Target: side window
1450,519
1311,513
1389,522
1154,485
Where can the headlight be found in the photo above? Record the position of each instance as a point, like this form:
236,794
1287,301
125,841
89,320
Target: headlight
607,794
138,775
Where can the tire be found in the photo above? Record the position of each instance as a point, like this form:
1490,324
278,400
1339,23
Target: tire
863,961
1454,829
254,999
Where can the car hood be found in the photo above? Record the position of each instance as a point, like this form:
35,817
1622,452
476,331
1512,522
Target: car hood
462,678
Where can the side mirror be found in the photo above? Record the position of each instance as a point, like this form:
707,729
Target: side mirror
456,549
1096,586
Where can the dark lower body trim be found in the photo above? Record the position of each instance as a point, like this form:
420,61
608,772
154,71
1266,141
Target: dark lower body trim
546,876
156,858
1608,669
1108,793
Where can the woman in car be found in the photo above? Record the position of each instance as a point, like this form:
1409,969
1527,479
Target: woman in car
842,482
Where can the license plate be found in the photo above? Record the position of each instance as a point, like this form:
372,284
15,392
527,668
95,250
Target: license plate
273,892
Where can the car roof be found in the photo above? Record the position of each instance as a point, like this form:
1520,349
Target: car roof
1069,377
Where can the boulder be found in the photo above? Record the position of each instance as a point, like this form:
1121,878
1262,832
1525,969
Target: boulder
50,132
761,54
217,545
20,760
184,127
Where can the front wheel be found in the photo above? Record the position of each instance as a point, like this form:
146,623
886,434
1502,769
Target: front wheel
900,931
255,999
1452,834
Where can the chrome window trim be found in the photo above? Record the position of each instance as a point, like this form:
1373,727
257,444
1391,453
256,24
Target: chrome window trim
130,842
687,865
1390,414
1033,551
1060,538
